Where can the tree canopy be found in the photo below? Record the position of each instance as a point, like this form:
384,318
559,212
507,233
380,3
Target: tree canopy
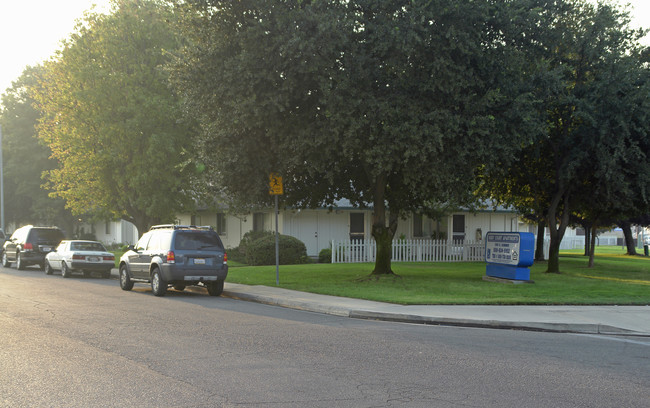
592,158
390,103
25,159
112,121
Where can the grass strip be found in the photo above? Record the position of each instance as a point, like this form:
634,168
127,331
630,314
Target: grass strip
616,279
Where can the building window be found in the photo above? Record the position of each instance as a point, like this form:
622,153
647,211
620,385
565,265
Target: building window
417,225
580,232
195,220
258,221
221,223
108,228
458,227
357,226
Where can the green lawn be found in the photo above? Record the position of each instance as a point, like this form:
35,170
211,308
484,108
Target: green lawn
616,279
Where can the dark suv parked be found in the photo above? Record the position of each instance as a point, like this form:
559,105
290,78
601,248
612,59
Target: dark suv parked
28,245
176,255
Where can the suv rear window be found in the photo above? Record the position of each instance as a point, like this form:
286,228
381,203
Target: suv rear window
45,235
197,240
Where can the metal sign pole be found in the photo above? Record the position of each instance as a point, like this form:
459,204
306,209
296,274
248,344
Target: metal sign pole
276,188
277,245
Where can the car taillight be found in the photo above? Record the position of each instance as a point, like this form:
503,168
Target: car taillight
75,256
28,245
225,258
109,258
171,258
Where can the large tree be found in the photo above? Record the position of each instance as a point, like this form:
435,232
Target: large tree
393,104
595,103
25,160
113,122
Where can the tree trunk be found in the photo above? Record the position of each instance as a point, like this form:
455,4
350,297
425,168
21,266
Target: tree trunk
382,233
142,223
553,265
557,230
592,246
588,249
539,247
383,261
629,241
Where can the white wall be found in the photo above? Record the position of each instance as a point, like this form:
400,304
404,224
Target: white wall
113,232
317,228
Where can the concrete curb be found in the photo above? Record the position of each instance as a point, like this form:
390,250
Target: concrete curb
343,311
495,324
304,305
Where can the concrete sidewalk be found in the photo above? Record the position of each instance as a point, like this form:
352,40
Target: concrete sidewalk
620,320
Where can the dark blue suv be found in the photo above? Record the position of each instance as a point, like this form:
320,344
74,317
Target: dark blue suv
177,256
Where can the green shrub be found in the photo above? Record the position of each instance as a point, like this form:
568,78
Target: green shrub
262,251
325,255
247,240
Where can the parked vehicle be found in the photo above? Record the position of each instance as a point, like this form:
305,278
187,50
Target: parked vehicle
177,256
28,245
80,256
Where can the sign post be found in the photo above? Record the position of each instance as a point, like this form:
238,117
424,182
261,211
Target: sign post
276,189
509,254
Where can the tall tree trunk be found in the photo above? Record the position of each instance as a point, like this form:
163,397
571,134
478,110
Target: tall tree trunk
592,246
384,240
553,265
142,223
629,240
382,233
539,245
587,239
559,203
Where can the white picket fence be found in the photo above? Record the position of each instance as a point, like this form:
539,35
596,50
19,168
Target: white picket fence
416,250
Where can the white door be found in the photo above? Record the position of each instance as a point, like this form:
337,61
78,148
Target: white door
306,227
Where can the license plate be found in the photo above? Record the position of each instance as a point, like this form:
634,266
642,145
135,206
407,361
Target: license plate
46,249
199,261
93,259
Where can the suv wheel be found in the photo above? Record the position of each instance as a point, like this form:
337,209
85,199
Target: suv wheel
47,268
65,271
158,285
5,261
19,261
125,281
215,288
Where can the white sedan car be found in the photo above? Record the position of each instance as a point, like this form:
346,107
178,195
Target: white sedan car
80,256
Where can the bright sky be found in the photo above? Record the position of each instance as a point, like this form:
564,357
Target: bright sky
31,30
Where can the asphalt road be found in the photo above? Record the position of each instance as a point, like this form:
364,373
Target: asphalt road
86,343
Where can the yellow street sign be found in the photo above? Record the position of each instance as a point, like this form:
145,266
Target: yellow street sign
275,184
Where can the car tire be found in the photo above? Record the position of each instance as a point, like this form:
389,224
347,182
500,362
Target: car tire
20,265
158,284
65,270
5,260
215,288
125,280
47,268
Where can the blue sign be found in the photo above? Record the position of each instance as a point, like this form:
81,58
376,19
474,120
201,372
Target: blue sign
509,254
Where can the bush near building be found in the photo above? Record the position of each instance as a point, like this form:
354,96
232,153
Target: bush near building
261,251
